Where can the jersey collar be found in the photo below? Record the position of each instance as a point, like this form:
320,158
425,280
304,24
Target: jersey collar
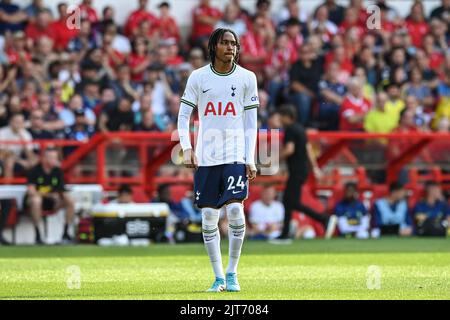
223,74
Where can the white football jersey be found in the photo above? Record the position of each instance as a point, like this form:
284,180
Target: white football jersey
221,100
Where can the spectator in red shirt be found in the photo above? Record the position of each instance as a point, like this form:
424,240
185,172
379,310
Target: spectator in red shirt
139,15
340,56
435,55
407,123
277,68
145,30
263,11
167,25
360,11
254,48
41,28
416,24
88,11
139,60
354,107
204,19
244,15
173,57
389,21
351,20
115,58
63,34
16,50
295,37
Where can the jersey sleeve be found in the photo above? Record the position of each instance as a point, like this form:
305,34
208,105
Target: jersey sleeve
251,99
190,95
184,115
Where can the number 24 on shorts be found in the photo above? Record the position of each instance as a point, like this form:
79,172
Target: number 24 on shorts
240,183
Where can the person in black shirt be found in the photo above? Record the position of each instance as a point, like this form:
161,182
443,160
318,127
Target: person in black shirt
442,12
148,123
118,117
336,12
46,191
37,130
305,76
298,152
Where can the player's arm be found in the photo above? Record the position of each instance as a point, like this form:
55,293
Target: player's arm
251,125
187,105
184,116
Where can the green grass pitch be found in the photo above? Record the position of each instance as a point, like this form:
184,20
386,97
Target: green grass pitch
315,269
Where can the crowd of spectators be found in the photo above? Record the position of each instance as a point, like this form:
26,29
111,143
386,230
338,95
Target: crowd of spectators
330,63
391,215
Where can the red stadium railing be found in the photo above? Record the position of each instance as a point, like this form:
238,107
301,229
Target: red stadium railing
425,155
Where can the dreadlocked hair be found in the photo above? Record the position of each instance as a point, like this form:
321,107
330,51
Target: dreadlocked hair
214,39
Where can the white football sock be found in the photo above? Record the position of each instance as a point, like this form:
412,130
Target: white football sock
236,233
211,237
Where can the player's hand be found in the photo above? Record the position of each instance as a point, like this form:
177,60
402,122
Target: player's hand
189,159
318,174
251,171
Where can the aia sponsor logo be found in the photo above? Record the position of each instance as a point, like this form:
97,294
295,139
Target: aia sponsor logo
220,109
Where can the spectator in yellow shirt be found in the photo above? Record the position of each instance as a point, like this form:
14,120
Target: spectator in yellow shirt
379,120
395,103
442,111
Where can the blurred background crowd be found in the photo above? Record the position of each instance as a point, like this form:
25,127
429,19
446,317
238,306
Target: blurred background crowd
67,78
74,73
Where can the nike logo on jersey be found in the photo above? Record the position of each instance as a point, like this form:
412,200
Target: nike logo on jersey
235,192
205,91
